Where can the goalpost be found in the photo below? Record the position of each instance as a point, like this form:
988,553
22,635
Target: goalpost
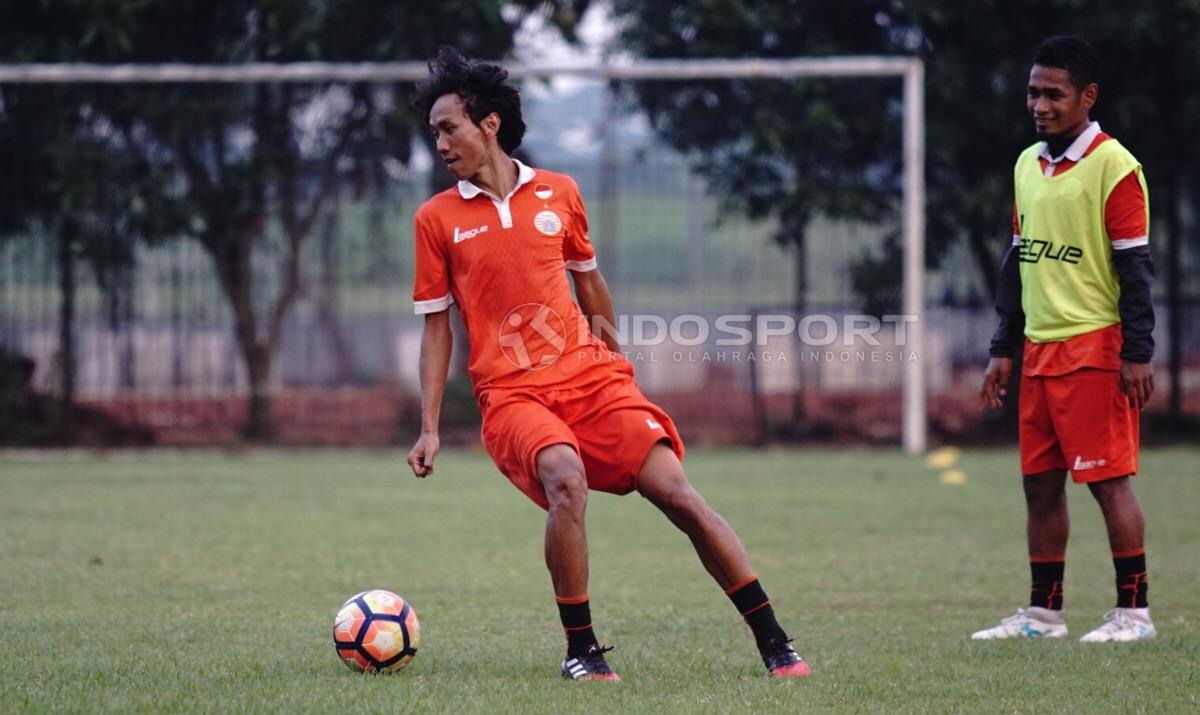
910,69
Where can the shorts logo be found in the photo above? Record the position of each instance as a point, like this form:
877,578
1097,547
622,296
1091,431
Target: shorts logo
532,336
543,191
1080,465
460,237
548,223
652,424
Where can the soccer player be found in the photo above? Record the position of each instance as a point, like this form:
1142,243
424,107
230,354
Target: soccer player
1078,275
561,411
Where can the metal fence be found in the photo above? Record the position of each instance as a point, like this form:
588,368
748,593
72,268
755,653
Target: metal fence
155,353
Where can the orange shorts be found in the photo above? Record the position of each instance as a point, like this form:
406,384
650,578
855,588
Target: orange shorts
609,423
1079,421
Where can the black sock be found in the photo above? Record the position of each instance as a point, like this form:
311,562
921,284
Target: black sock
1131,579
1047,588
576,617
751,601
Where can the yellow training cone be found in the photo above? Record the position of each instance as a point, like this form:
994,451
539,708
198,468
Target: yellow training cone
943,458
953,477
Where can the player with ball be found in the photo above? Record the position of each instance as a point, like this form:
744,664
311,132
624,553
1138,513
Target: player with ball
561,411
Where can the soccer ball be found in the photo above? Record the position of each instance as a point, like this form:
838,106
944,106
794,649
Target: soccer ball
376,631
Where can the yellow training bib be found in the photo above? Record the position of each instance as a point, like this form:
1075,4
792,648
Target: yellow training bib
1068,284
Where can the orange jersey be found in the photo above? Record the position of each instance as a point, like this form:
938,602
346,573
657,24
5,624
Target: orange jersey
503,261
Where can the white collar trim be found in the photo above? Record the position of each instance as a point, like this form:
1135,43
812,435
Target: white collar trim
1078,147
524,175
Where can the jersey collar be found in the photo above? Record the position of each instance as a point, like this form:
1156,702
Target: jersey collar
524,175
1078,147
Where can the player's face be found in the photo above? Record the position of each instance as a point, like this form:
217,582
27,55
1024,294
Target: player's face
461,142
1058,107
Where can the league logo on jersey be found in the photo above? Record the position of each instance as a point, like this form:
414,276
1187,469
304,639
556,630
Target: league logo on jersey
1033,250
543,191
548,223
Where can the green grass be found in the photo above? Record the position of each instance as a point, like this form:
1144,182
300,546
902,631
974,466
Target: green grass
148,583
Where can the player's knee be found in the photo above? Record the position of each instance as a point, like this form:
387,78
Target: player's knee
1044,490
683,504
1111,494
563,480
567,490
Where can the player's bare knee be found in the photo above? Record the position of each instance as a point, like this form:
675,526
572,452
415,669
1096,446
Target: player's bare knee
562,477
566,491
1045,490
684,506
1111,494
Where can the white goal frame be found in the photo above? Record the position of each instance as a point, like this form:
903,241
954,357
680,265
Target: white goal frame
911,69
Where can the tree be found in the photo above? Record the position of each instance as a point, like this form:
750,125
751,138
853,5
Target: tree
69,179
831,147
249,177
788,150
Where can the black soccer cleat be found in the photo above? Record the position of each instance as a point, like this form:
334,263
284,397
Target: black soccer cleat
783,661
590,666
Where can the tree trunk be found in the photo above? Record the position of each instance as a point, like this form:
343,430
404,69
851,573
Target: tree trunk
800,302
1174,299
66,326
259,426
985,260
232,261
328,313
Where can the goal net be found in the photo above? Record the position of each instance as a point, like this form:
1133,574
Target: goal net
189,253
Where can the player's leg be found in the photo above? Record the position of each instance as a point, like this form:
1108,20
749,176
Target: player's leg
1100,437
663,482
536,450
561,474
1126,524
560,471
1047,522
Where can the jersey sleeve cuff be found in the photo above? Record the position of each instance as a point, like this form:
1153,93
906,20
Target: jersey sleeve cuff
1120,244
437,305
582,266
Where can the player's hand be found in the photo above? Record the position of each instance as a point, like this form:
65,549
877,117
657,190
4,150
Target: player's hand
420,458
995,383
1137,382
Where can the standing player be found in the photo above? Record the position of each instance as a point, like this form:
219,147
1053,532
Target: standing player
561,411
1079,275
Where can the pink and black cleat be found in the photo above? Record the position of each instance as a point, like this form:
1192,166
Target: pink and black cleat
782,661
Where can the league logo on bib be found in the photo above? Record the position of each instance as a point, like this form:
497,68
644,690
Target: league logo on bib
543,191
548,223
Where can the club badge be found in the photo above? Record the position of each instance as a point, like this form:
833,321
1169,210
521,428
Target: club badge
548,223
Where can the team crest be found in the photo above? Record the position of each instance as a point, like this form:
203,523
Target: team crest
543,191
548,223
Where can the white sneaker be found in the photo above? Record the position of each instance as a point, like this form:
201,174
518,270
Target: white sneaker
1121,625
1030,622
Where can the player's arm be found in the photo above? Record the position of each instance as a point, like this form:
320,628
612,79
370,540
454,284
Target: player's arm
436,345
1125,218
596,303
432,298
1007,338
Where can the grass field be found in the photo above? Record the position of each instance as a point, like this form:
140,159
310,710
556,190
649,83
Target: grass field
202,583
